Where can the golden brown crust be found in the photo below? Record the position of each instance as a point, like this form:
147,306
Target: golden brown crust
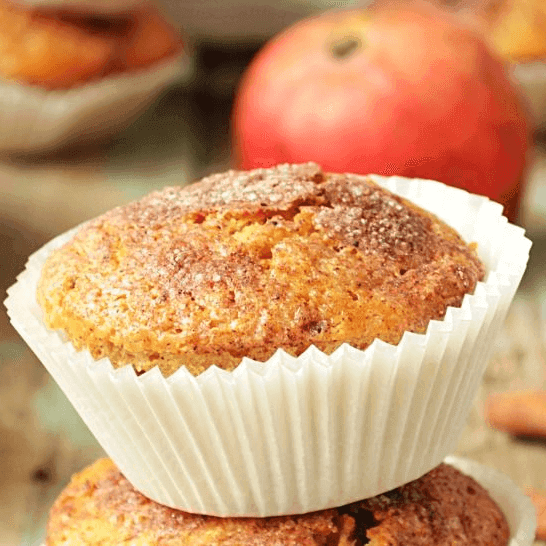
445,508
243,263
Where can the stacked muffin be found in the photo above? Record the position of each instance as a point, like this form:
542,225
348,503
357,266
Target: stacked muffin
444,507
276,342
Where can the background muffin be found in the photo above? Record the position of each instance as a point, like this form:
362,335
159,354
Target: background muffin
72,72
443,508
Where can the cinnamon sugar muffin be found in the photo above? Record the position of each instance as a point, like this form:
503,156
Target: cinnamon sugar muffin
442,508
243,263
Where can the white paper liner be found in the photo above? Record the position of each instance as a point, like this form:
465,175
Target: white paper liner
517,507
531,76
35,120
294,435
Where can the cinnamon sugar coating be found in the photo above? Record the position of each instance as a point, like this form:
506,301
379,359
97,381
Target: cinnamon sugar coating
443,508
242,263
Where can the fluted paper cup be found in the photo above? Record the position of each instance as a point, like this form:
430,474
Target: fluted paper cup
516,507
531,76
36,120
293,435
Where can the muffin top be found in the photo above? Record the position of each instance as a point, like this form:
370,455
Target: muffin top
444,507
243,263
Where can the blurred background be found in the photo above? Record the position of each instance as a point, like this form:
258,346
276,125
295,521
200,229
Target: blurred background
183,135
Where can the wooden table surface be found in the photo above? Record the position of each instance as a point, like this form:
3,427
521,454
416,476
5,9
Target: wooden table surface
43,441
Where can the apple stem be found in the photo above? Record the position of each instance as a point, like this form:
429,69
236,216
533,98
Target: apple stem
345,47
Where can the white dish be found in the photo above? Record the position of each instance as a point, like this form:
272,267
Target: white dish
102,6
37,120
245,20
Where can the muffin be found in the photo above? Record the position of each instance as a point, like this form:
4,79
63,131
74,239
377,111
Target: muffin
444,507
244,347
244,263
56,48
516,28
517,31
77,72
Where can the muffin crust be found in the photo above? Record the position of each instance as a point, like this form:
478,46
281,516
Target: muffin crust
242,263
444,508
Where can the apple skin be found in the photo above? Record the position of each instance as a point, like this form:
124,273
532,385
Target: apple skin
406,90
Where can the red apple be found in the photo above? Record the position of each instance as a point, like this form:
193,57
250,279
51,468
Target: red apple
406,89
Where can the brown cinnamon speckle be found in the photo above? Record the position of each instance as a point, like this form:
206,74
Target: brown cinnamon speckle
242,263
